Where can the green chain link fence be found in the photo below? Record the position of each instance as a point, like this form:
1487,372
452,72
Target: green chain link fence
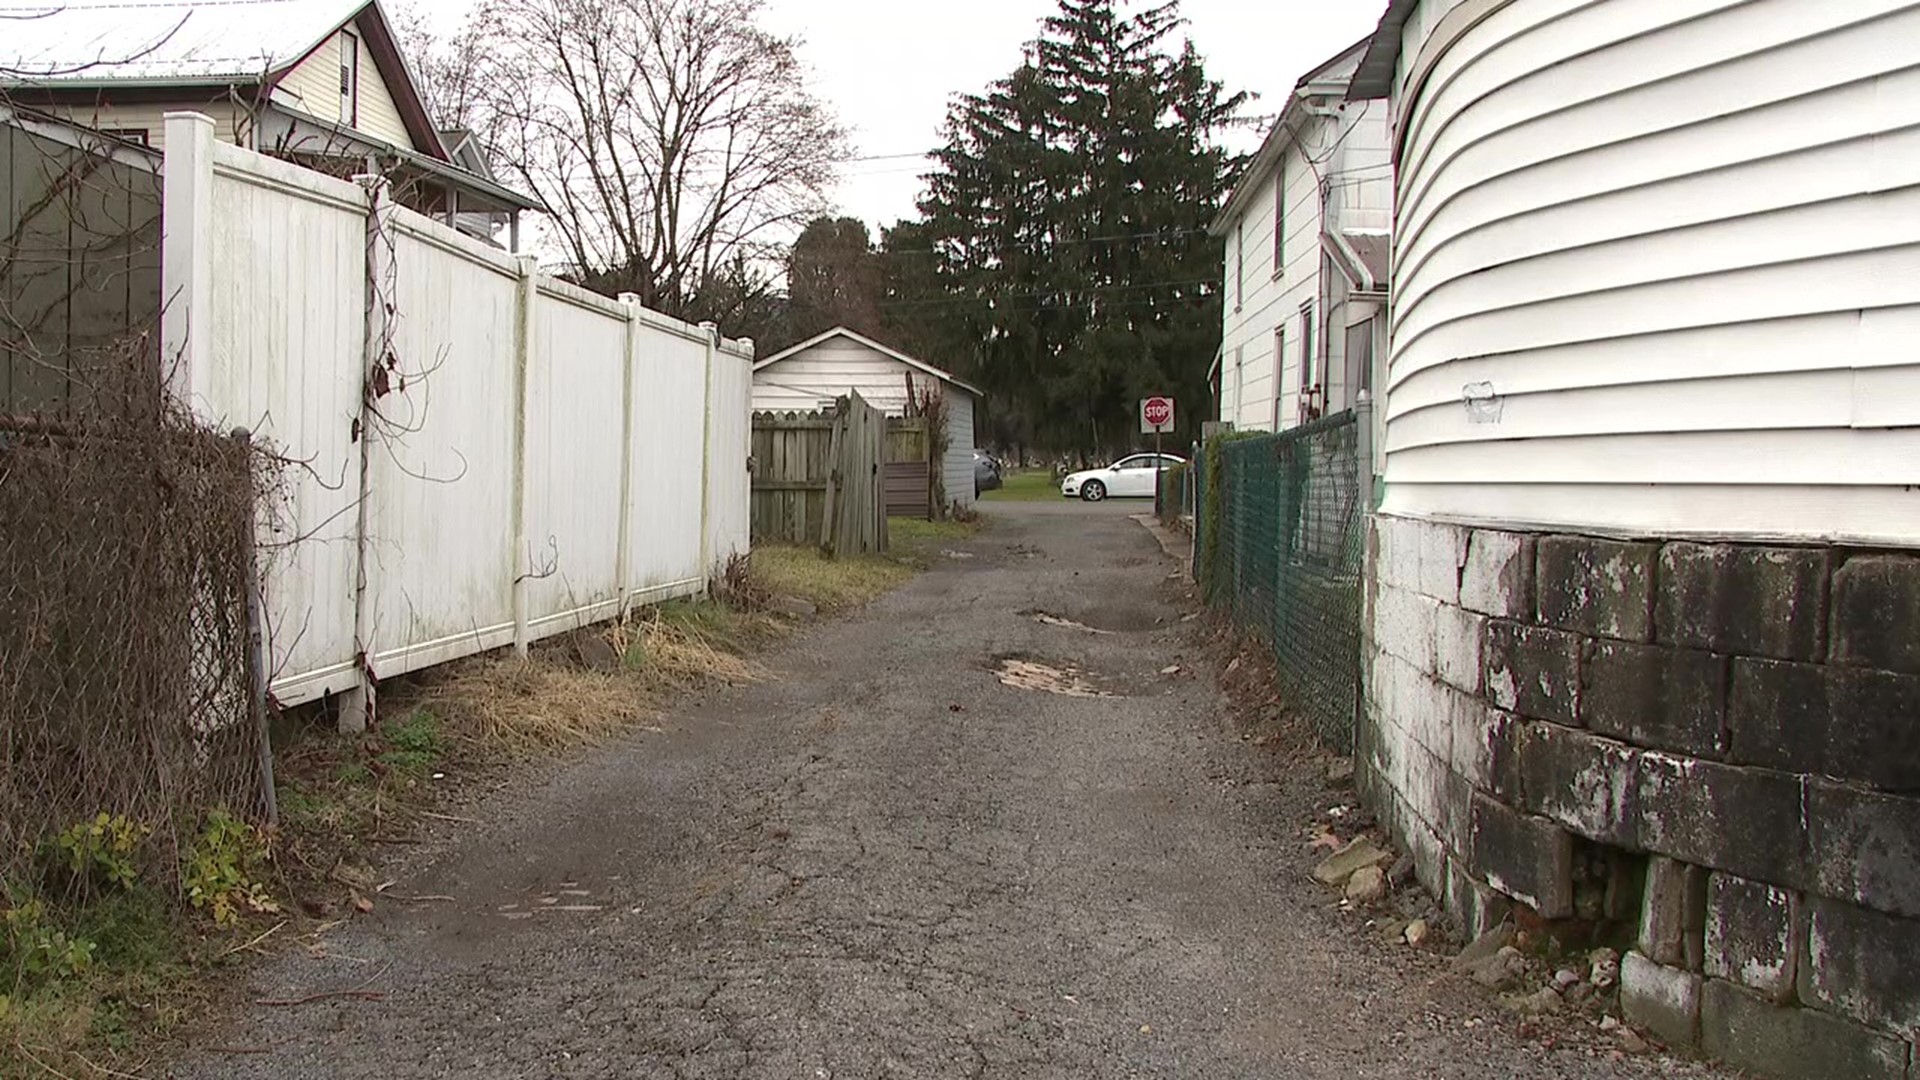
1281,523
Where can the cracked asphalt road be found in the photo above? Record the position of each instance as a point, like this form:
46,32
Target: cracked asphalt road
883,862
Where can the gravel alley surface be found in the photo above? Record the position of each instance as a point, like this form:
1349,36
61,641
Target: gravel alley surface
883,862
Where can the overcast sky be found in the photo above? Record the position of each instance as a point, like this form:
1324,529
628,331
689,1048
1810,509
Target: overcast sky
890,66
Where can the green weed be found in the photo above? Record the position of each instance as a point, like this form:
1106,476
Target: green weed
225,869
102,853
414,743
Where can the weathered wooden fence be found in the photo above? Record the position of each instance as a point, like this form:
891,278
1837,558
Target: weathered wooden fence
790,465
856,484
79,265
910,471
823,477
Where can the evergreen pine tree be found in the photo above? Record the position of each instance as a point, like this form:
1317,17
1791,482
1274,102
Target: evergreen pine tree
1070,272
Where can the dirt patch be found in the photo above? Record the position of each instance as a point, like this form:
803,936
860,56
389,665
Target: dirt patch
1026,673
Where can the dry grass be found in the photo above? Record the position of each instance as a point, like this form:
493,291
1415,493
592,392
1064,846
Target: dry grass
537,705
829,584
553,701
835,585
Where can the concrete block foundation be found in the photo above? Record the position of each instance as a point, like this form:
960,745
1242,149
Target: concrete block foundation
1732,731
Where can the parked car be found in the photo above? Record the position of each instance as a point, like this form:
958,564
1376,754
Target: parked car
986,472
1134,476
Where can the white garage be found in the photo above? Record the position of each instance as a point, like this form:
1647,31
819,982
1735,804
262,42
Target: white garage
812,374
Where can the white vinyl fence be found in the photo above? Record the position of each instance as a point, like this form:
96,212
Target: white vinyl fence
477,455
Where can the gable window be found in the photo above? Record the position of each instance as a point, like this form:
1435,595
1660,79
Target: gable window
349,78
1280,219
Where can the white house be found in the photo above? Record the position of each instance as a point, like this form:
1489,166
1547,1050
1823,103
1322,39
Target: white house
1644,592
1306,239
319,82
812,374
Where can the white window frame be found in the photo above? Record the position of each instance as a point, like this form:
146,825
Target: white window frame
1239,382
1280,219
1279,370
1306,346
1239,263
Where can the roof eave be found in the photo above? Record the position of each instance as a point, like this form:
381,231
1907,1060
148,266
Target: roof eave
385,46
158,82
444,169
1255,173
1374,78
887,350
1314,83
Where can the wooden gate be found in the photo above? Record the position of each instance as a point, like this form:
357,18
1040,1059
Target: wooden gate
909,471
819,478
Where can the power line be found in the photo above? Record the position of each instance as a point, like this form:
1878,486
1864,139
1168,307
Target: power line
1163,234
988,297
890,157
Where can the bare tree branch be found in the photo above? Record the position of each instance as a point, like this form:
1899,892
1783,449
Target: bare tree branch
667,138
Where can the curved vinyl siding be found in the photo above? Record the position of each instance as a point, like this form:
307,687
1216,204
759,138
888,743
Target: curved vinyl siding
1672,250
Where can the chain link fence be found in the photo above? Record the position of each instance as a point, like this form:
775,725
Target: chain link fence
1280,550
126,665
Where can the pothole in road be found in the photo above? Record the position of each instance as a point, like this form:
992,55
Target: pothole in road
1026,673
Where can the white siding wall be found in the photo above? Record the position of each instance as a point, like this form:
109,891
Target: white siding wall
1259,390
276,342
228,123
313,87
1675,241
812,378
960,443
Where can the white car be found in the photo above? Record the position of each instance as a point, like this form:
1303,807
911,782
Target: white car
1130,476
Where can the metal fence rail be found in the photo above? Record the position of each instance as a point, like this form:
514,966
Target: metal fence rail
1281,531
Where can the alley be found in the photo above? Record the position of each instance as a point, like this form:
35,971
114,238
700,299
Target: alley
881,861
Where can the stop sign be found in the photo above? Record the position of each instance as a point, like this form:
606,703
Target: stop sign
1156,414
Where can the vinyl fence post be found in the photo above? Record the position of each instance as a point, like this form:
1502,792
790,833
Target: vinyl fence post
522,358
623,562
186,259
712,331
358,704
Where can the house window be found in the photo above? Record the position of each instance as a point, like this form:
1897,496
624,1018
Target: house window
1360,355
1239,380
349,78
1280,219
1309,377
1239,263
1279,368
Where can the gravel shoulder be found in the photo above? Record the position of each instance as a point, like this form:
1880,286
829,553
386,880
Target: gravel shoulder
883,861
